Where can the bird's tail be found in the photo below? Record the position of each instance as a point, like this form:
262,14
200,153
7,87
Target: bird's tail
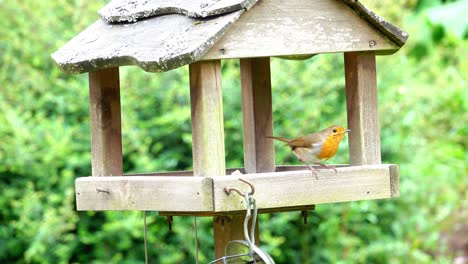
280,139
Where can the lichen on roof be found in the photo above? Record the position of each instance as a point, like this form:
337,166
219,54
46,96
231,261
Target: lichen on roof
156,37
132,10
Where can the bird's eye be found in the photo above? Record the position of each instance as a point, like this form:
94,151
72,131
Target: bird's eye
334,130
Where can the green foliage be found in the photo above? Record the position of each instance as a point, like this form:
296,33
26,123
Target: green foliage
423,104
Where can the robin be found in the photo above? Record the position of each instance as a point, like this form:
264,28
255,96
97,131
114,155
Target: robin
316,147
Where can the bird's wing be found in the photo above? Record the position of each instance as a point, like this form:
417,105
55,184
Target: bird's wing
280,139
310,140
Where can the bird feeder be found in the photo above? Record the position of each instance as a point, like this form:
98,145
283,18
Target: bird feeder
158,36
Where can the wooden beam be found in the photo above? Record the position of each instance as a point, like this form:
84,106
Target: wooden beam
259,151
106,136
300,188
207,118
144,193
361,101
275,191
260,211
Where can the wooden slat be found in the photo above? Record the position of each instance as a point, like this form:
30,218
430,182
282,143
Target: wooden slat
298,188
297,27
106,137
361,101
144,193
259,151
228,171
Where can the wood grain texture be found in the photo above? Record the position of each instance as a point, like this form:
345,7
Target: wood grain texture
144,193
228,171
208,133
395,181
362,108
207,118
175,40
204,196
391,31
298,188
298,27
131,11
259,151
106,135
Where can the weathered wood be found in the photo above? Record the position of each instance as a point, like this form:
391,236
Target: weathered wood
208,131
106,136
131,11
259,151
260,211
144,193
299,188
207,118
175,40
392,32
361,102
271,28
229,171
227,228
298,27
275,192
257,114
394,181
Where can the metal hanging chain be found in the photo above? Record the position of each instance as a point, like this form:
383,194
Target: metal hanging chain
251,204
145,238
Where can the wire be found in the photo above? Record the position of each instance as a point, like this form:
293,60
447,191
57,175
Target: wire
145,238
196,238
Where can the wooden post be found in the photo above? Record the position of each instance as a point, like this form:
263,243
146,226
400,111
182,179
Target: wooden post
208,134
207,118
106,136
361,100
259,151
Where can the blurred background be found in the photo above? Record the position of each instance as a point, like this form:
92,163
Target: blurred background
45,145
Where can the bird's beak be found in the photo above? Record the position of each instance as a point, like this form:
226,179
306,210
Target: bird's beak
346,131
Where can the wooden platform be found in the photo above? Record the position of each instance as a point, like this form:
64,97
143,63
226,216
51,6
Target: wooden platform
290,188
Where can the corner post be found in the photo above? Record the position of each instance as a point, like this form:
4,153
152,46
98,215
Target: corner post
259,151
106,135
361,102
208,135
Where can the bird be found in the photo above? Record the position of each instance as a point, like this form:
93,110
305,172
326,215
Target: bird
316,147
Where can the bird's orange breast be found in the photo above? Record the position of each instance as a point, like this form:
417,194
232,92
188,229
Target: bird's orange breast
329,147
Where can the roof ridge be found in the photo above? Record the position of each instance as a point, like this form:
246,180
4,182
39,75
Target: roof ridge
391,31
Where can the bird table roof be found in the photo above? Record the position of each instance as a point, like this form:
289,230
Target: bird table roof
166,34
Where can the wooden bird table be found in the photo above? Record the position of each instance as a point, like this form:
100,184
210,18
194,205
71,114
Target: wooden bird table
200,33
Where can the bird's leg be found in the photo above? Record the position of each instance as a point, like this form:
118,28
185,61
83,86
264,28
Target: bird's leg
312,169
327,167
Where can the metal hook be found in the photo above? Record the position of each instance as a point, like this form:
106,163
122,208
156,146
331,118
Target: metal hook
252,188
